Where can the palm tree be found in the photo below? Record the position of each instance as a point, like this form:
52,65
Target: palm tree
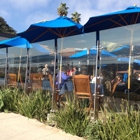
62,9
5,28
76,17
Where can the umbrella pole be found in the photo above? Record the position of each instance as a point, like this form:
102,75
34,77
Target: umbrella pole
129,67
6,68
19,75
87,57
96,104
27,75
54,90
61,60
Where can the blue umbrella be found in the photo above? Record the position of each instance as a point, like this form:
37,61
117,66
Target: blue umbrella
126,59
123,59
47,30
121,50
126,17
79,54
91,52
137,61
16,42
129,16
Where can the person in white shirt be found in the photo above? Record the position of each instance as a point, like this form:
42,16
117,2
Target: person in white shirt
138,78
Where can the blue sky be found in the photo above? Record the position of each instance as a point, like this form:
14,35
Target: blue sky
19,14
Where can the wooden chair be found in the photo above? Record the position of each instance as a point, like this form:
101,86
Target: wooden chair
51,80
57,98
12,80
36,81
82,88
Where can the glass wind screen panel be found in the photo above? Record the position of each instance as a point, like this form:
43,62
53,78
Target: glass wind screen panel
17,59
2,65
42,54
124,43
74,52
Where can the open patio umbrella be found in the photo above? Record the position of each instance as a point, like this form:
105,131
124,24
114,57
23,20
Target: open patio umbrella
91,52
123,50
129,16
137,61
14,42
126,59
54,29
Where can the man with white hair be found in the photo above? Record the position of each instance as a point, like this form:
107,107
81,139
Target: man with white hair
45,71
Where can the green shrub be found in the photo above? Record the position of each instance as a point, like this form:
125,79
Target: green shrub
9,98
72,119
35,105
118,126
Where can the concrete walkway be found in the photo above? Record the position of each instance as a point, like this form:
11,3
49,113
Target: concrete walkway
16,127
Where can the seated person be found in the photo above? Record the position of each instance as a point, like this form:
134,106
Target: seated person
99,79
84,71
75,71
100,87
62,77
70,71
45,71
92,79
117,81
138,77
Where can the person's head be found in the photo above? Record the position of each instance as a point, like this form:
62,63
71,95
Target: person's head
46,65
84,72
71,67
139,75
75,68
91,77
64,69
118,77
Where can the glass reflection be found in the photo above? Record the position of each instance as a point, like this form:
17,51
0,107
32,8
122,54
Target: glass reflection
124,43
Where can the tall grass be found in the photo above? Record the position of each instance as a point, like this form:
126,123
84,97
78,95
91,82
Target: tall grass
35,105
72,119
115,124
9,99
122,125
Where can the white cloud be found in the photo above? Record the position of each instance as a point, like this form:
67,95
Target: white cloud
28,5
31,11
